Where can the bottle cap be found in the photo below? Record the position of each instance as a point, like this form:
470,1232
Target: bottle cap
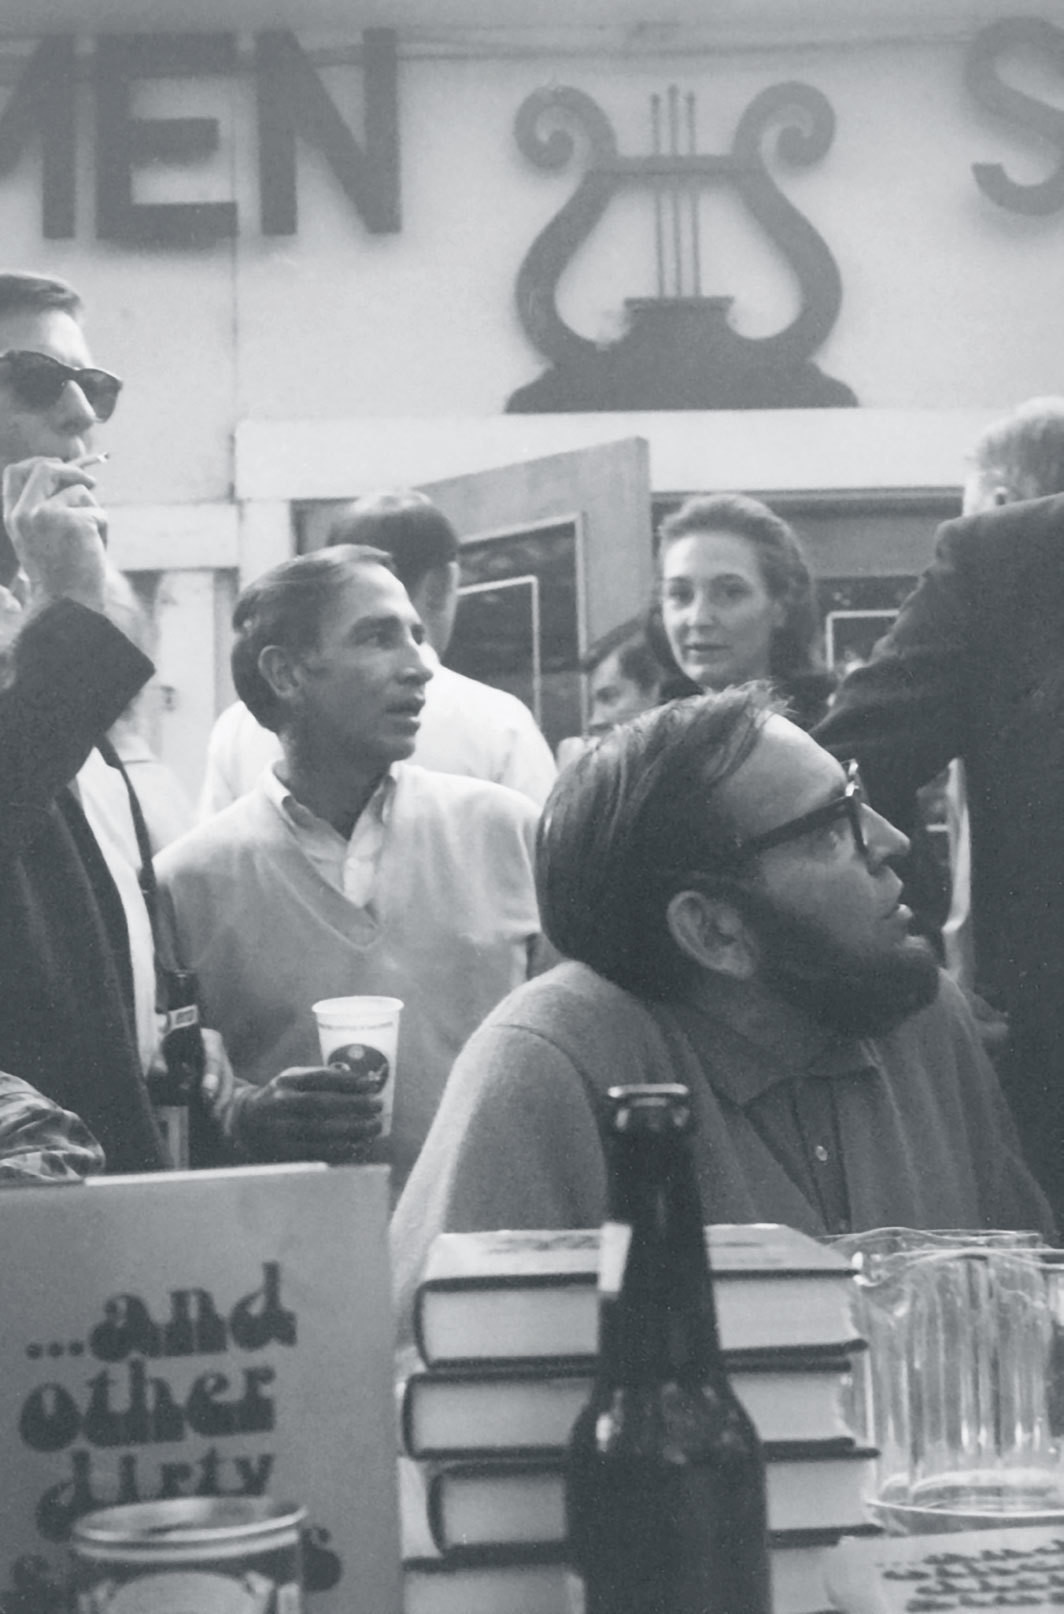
652,1106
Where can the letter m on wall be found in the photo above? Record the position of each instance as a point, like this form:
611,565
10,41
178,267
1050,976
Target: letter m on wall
292,101
45,99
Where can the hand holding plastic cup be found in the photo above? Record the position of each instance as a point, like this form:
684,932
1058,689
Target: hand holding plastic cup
361,1034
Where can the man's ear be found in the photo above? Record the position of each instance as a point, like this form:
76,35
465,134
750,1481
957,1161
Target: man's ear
280,670
712,933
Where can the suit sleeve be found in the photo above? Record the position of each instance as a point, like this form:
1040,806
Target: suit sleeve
70,674
903,716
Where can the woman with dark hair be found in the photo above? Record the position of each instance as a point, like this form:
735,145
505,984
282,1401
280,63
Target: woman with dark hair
735,603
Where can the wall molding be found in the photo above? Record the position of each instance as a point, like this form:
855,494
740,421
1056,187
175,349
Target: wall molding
793,450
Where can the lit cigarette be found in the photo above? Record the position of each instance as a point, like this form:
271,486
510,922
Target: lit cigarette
91,459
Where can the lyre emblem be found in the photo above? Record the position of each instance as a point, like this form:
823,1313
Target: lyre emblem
679,352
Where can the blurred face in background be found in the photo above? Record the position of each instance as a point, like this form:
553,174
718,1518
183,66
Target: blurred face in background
718,615
615,697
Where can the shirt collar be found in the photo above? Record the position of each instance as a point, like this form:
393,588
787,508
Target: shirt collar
742,1065
378,807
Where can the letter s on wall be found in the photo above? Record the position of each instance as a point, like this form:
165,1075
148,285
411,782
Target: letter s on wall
1046,41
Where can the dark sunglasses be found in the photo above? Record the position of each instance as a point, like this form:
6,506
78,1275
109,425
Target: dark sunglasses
849,805
37,380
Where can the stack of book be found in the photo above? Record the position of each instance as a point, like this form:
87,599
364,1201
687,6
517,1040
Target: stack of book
506,1325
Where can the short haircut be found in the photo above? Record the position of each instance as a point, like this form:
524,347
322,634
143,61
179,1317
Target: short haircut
287,606
1024,452
27,293
783,567
636,819
635,658
406,524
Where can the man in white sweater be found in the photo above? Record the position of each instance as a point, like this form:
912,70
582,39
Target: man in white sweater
346,869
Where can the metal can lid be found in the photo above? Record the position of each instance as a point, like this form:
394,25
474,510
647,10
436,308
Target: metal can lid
213,1526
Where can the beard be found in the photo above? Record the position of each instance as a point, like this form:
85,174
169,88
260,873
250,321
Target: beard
854,994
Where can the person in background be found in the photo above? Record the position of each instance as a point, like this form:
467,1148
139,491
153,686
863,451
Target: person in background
76,964
467,727
726,904
624,678
347,869
735,602
973,668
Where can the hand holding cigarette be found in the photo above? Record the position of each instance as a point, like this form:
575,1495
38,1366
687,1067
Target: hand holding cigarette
58,530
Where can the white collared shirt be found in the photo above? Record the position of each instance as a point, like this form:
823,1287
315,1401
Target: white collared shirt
105,803
350,866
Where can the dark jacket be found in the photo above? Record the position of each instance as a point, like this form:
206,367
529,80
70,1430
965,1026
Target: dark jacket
973,667
66,990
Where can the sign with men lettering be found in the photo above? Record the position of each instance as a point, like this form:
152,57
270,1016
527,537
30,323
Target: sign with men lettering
223,1333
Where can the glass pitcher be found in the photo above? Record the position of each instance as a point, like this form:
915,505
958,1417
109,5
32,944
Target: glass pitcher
962,1332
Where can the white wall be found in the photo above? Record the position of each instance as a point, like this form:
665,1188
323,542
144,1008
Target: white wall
951,305
949,302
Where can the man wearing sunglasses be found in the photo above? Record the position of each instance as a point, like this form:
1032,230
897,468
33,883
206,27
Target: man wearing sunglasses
76,964
729,910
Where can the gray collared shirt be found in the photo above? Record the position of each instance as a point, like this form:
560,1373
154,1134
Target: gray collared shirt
791,1102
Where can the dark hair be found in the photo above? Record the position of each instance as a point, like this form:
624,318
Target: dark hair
783,568
1024,453
635,658
629,823
406,524
35,293
286,606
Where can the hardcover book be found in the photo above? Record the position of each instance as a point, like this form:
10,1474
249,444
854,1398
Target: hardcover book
531,1295
209,1333
539,1586
804,1396
515,1502
526,1580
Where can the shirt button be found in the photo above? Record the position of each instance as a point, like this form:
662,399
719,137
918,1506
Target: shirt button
820,1152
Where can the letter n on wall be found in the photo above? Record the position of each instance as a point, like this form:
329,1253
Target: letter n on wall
293,101
45,97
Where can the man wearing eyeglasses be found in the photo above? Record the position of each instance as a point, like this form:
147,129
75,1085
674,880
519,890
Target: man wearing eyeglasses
731,917
76,963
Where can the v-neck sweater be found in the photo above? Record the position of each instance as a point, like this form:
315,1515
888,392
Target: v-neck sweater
448,931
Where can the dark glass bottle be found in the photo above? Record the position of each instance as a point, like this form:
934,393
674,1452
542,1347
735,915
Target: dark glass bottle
175,1082
665,1483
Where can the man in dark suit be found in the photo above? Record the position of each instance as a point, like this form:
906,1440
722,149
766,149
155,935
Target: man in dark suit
67,965
973,668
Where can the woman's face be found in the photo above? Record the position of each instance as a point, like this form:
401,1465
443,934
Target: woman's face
717,613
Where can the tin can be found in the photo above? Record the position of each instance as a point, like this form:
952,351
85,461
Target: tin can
190,1555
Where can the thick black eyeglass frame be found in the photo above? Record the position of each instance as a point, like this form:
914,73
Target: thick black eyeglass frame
37,380
849,805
